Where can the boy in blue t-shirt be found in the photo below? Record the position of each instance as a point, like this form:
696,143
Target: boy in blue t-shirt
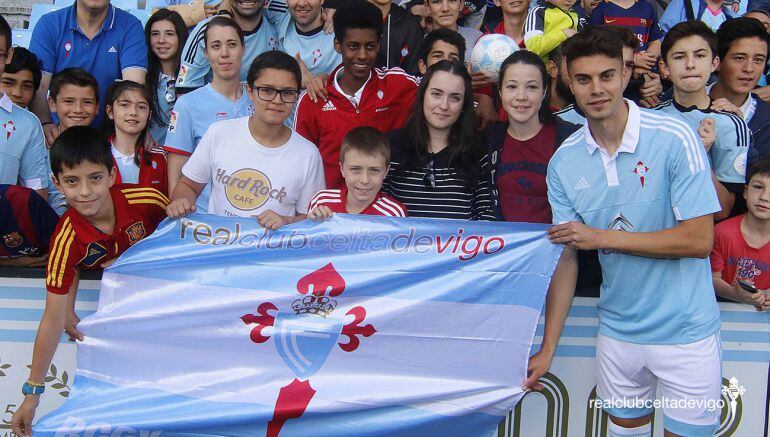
689,59
635,185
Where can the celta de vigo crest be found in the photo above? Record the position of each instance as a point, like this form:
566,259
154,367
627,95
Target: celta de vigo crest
305,335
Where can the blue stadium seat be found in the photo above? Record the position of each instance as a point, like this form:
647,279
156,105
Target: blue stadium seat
142,14
40,9
21,37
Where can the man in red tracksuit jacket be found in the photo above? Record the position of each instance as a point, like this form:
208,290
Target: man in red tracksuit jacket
359,94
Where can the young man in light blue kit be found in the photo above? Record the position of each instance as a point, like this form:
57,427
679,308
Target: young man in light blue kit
636,185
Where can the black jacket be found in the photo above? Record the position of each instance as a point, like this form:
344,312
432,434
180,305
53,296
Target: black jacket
401,42
494,138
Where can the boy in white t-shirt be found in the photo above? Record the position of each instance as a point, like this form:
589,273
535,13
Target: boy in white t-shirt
257,166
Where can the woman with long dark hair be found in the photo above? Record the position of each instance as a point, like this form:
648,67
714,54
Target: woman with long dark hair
521,147
165,34
438,166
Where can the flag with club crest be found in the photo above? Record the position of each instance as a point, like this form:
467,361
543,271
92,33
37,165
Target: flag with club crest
357,326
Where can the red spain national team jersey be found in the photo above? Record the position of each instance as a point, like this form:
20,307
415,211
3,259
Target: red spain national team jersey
381,205
153,175
76,244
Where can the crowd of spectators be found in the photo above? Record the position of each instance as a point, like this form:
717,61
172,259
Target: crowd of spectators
306,108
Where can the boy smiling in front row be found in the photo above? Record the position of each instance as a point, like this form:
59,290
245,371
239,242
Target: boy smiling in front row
364,162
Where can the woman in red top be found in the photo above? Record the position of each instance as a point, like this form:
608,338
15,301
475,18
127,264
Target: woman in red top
521,147
126,126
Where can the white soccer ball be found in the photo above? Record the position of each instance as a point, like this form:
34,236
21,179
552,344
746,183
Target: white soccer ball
489,53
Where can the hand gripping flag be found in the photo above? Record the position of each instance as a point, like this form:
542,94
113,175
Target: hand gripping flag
358,326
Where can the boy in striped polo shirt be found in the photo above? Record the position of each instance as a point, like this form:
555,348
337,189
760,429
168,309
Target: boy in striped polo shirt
364,162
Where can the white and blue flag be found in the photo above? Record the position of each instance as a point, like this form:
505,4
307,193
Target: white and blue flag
355,326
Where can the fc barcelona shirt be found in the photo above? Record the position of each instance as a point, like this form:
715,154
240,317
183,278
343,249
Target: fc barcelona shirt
77,244
26,222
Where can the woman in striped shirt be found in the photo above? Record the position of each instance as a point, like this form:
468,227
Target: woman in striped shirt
438,167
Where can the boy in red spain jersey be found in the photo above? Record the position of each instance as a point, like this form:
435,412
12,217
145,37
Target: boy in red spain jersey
102,222
741,249
358,94
364,162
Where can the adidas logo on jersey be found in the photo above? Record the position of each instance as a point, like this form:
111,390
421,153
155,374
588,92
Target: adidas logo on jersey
582,184
329,106
112,50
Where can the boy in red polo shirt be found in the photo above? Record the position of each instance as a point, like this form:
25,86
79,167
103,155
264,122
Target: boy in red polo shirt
359,94
364,162
741,249
102,222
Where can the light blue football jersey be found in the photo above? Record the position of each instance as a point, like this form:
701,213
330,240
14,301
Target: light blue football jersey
22,147
166,98
316,49
195,70
192,115
658,177
713,20
729,151
572,114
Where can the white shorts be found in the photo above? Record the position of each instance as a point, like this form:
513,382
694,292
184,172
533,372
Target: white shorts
689,377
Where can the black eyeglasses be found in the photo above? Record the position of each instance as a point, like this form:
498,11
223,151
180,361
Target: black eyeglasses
267,94
430,176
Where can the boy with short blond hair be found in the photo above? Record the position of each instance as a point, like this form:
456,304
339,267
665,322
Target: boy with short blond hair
364,162
742,245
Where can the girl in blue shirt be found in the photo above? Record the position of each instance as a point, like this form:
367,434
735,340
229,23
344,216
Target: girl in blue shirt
165,34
